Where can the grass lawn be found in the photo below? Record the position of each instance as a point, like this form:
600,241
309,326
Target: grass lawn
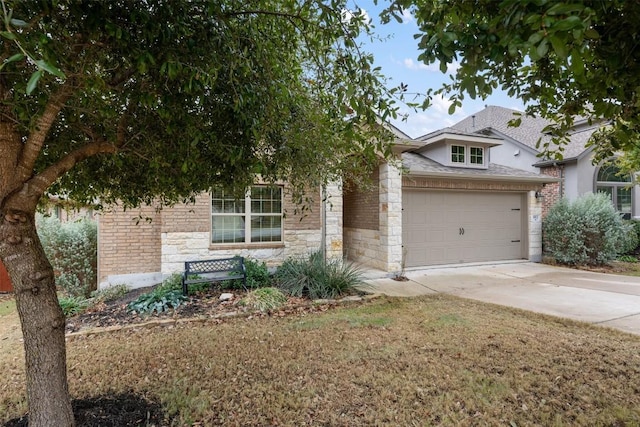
435,360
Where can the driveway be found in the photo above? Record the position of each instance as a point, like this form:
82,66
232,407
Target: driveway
602,299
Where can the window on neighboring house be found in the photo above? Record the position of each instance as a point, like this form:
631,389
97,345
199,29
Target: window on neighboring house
617,186
476,155
457,154
256,218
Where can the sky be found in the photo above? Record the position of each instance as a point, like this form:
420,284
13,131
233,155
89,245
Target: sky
397,55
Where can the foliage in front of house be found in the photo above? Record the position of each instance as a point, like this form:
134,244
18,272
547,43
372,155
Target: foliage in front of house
72,249
587,231
315,278
264,299
163,297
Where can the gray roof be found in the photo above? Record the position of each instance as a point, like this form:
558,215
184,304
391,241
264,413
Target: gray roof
450,130
494,118
420,165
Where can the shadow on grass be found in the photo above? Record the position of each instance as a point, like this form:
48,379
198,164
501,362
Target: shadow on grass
126,409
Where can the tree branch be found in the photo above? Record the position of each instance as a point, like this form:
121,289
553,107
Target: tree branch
29,194
31,149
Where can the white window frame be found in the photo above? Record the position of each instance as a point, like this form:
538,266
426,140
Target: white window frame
247,216
467,156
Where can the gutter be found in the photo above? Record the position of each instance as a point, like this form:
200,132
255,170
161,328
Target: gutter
509,178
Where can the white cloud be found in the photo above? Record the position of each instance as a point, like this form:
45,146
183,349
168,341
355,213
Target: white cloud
434,118
407,17
414,65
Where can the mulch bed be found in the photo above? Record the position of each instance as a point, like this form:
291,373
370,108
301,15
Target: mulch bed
204,305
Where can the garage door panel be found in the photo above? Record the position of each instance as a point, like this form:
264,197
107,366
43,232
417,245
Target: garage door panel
442,227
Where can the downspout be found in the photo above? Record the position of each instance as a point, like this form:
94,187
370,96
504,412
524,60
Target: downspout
323,219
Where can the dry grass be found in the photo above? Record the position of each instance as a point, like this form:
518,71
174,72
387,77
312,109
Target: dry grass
424,361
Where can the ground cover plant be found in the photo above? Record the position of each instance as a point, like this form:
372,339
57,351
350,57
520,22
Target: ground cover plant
435,360
315,277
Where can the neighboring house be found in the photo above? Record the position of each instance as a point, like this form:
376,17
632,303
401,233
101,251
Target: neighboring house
473,192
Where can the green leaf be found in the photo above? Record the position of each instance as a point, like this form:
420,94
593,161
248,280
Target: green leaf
561,8
33,81
14,58
542,49
559,46
19,23
592,34
452,108
44,65
567,24
8,35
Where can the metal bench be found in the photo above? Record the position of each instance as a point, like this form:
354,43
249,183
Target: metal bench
213,271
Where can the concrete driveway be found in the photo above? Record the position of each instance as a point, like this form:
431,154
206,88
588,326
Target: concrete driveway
597,298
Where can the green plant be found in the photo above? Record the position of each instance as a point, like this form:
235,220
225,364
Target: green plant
587,231
71,248
163,297
315,278
627,258
264,299
257,276
73,305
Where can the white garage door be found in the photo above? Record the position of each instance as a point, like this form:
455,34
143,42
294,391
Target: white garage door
440,227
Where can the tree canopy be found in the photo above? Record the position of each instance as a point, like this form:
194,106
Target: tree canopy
565,59
167,98
139,101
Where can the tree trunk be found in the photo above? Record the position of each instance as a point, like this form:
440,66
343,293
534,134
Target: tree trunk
42,320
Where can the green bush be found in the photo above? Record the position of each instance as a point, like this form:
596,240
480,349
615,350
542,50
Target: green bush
627,258
314,278
163,297
587,231
72,249
72,306
264,299
257,276
628,239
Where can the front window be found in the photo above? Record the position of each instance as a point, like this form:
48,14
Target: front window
476,155
254,219
457,154
617,187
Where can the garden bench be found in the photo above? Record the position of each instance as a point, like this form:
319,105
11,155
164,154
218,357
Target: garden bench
212,271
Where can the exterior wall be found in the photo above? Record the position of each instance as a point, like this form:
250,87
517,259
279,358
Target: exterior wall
534,216
142,254
552,192
515,156
129,247
379,247
362,207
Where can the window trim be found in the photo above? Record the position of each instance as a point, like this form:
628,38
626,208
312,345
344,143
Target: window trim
614,185
452,154
467,156
247,216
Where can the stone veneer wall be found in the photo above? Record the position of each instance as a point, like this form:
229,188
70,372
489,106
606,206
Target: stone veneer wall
534,215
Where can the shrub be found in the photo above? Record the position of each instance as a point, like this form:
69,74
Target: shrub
264,299
314,278
72,306
163,297
587,231
628,241
257,276
72,249
627,258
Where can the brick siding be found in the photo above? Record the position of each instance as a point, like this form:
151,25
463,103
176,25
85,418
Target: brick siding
362,207
551,192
